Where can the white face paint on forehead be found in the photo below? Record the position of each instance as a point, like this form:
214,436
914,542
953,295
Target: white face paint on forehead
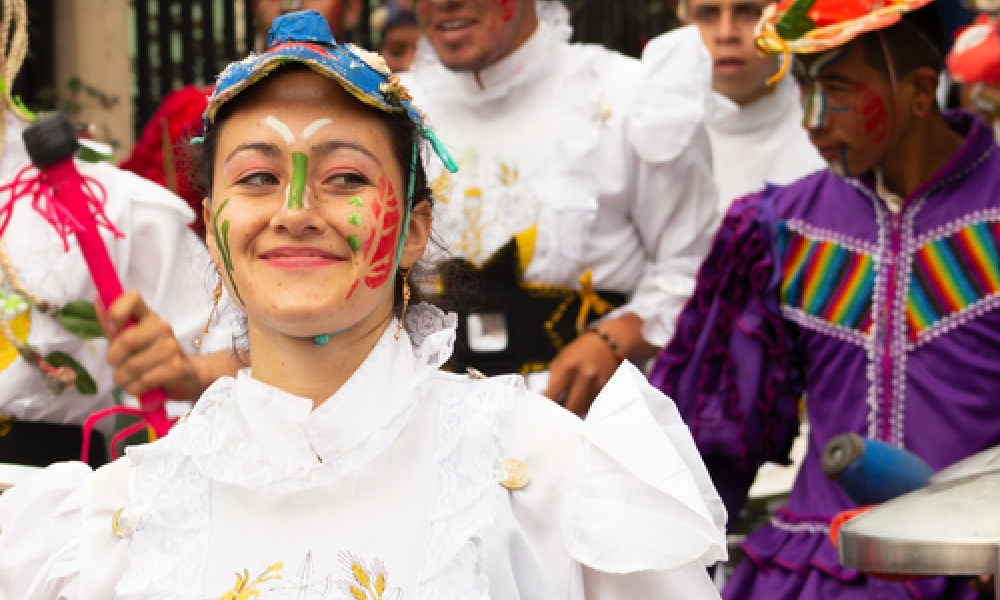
283,130
315,126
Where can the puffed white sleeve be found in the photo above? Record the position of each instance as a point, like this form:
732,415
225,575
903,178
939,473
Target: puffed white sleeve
40,522
617,506
646,499
56,539
652,236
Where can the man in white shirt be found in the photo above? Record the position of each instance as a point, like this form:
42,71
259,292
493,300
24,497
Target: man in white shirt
756,128
553,201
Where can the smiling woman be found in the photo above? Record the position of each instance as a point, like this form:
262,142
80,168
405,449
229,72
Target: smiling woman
405,481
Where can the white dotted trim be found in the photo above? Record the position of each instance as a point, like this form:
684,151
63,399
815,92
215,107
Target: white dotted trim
802,527
874,371
955,320
840,332
828,235
900,338
987,215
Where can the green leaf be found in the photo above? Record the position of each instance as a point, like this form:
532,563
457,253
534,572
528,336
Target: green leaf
84,382
80,318
795,23
75,84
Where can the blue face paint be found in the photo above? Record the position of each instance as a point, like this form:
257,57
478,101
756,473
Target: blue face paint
817,103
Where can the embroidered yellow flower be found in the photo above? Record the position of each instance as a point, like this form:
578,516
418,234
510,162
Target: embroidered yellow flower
244,590
367,583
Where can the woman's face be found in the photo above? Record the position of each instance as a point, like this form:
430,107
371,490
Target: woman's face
306,208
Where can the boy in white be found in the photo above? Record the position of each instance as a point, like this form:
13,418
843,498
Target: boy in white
756,127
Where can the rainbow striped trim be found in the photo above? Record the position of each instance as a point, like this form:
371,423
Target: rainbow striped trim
825,280
952,275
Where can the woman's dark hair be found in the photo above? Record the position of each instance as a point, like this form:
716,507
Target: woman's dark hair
403,134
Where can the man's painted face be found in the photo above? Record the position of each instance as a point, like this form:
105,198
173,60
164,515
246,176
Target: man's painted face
848,108
470,35
727,27
307,206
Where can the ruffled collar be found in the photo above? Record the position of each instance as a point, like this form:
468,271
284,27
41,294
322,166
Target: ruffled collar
764,114
525,64
373,397
245,432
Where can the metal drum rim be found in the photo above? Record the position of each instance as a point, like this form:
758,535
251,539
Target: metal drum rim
908,557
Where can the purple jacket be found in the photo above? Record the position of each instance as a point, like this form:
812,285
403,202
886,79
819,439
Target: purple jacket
887,323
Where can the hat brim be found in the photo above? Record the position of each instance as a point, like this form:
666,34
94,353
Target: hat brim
337,63
826,38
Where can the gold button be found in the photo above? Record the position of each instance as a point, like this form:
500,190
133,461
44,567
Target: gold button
517,473
116,525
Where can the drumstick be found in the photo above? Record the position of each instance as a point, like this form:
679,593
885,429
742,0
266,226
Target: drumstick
51,144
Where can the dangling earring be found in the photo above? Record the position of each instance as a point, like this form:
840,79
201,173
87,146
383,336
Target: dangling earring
406,300
216,296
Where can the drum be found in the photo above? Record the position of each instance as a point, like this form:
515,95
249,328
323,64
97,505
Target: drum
950,527
10,475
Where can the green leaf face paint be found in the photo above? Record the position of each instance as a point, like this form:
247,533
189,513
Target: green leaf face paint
300,169
222,243
354,242
355,219
356,201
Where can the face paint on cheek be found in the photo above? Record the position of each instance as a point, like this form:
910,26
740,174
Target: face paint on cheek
296,192
383,257
355,219
873,114
354,288
507,10
222,243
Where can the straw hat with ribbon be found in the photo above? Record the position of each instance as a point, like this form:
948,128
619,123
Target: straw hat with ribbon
810,26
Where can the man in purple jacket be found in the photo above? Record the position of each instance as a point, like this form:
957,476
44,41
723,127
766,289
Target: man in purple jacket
871,288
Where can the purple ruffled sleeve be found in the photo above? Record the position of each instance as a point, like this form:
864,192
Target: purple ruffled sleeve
730,366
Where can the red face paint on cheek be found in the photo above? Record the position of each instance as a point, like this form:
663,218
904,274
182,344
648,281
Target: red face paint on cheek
874,116
507,10
354,288
385,248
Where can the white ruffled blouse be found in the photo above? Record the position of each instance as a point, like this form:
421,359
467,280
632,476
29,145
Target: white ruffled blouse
389,490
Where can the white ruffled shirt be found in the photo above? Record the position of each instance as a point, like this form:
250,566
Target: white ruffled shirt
159,257
541,140
389,490
763,142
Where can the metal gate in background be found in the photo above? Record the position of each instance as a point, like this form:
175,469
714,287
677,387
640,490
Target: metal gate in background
624,25
180,42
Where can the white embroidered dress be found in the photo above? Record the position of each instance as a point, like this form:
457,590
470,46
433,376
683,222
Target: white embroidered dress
389,490
540,140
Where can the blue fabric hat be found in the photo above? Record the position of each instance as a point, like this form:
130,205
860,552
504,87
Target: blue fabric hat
304,37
